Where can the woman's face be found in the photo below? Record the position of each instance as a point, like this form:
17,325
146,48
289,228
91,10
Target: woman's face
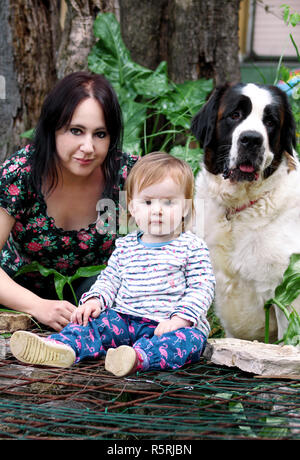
82,146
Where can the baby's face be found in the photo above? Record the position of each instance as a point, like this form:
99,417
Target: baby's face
158,210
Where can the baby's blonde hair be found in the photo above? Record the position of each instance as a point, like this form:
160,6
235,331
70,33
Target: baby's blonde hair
154,168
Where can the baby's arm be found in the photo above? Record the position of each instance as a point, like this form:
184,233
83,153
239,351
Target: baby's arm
101,295
91,308
172,324
198,295
200,284
107,284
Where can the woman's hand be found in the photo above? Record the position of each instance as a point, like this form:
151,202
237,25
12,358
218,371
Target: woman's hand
54,313
91,308
170,325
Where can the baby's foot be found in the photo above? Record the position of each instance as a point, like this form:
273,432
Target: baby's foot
33,349
122,361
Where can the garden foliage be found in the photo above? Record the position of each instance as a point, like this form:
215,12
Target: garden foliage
157,112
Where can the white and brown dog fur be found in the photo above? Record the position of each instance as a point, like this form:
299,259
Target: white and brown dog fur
250,184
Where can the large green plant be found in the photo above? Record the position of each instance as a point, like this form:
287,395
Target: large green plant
146,95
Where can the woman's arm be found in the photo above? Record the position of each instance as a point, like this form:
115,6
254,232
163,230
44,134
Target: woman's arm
53,313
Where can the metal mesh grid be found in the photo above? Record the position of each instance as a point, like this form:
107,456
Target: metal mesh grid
202,401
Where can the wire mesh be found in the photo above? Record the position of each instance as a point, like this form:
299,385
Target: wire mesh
201,401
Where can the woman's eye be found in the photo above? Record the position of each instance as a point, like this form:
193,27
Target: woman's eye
75,131
101,134
148,202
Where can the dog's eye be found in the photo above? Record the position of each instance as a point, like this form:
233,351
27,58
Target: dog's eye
269,122
236,115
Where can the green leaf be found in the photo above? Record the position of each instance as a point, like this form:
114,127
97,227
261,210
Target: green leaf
59,284
274,427
191,156
284,295
60,280
86,272
154,84
184,101
194,93
134,115
284,73
36,267
295,19
288,17
289,289
111,57
292,334
28,134
286,13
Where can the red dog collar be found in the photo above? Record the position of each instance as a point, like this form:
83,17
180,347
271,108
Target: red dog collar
231,212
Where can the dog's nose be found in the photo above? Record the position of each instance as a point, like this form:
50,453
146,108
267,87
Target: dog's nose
251,139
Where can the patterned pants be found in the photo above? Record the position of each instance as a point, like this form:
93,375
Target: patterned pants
112,329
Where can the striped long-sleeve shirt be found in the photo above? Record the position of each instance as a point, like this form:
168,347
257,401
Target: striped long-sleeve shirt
158,281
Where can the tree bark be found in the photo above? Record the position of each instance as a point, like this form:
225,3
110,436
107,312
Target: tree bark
78,38
145,30
27,44
205,40
197,38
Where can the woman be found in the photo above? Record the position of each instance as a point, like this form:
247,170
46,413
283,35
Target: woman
49,193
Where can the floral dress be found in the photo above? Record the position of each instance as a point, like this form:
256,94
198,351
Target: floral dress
35,236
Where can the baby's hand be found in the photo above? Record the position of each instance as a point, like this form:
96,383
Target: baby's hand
91,307
170,325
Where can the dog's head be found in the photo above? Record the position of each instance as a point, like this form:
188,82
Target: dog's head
244,130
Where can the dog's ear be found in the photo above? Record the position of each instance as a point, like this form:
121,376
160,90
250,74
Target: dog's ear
288,129
204,122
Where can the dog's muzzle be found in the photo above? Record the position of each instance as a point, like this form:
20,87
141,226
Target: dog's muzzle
250,153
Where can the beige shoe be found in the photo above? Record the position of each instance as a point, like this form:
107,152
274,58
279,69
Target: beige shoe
121,361
33,349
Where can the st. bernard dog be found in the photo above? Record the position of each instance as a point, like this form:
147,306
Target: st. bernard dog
250,185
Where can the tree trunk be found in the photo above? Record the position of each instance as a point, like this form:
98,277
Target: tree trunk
27,65
145,30
35,52
205,40
197,38
78,38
